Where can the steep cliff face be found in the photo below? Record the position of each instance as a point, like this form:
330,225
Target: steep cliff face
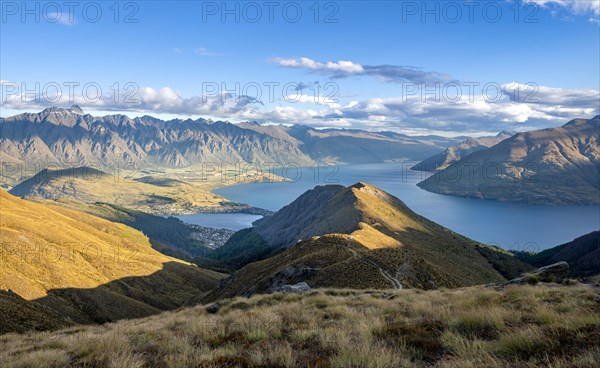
550,166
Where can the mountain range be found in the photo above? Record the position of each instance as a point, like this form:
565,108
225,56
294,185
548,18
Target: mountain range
549,166
455,153
59,135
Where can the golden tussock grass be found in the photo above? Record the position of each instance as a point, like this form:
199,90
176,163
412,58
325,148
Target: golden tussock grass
44,247
521,326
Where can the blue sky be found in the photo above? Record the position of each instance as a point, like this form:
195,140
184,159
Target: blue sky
368,56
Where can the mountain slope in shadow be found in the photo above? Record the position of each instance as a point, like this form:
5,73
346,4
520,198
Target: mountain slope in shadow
174,286
20,315
126,298
582,254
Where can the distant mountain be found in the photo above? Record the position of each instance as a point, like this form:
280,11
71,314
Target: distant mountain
357,237
549,166
582,254
87,269
152,194
55,183
455,153
58,135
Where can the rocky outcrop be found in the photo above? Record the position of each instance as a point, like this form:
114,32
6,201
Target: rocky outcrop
291,274
582,254
554,272
213,308
301,287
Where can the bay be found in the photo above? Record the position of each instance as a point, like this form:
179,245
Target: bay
508,225
231,221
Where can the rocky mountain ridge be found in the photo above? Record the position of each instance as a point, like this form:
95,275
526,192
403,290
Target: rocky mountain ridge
58,135
548,166
455,153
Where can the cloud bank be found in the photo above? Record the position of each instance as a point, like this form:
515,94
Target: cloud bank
344,69
412,114
578,7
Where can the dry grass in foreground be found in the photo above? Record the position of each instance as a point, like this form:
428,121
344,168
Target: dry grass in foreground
521,326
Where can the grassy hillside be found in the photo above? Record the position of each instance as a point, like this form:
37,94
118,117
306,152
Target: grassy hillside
170,235
359,237
20,315
88,268
520,326
151,194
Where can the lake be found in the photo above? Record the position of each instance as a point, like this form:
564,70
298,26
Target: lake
508,225
231,221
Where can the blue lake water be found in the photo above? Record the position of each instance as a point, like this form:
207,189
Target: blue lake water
231,221
509,225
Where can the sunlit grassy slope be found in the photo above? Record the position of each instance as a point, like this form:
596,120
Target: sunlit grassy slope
520,326
156,193
169,235
88,268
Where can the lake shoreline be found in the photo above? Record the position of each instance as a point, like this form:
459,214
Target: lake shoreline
511,226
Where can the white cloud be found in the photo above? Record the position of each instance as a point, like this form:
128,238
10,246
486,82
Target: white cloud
67,19
550,95
311,98
553,107
344,68
577,7
205,52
